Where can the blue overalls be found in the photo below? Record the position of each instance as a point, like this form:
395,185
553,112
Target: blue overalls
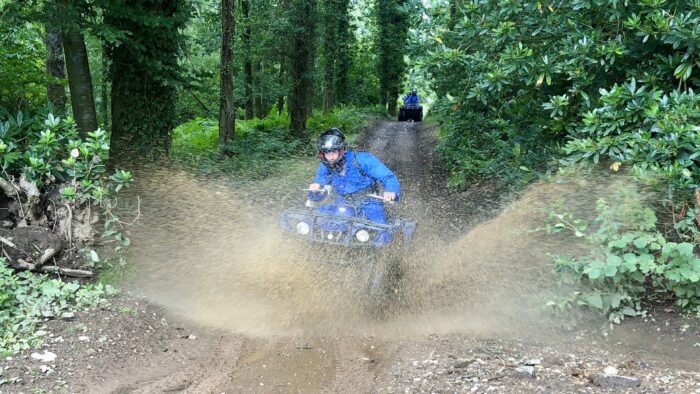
411,100
357,178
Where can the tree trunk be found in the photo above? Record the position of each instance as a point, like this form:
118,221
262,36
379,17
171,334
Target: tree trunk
144,74
390,46
55,67
391,101
79,82
248,66
343,59
280,98
327,95
104,92
258,101
227,109
330,43
301,61
264,102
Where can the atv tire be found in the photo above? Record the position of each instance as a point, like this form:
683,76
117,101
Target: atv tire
382,284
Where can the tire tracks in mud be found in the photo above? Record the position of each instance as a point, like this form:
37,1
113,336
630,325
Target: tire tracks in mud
202,371
229,363
236,364
362,357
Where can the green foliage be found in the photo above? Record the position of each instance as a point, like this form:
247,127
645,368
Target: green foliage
528,74
195,138
198,96
350,120
144,71
23,76
53,153
27,300
630,264
363,81
495,149
392,25
336,42
655,133
261,146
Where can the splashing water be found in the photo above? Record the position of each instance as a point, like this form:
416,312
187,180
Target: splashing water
215,254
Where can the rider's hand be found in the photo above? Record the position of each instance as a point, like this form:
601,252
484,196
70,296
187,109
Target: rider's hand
314,186
389,196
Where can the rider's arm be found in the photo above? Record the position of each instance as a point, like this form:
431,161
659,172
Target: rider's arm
377,170
321,179
322,175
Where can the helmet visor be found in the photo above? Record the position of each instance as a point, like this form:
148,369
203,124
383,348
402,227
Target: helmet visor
330,143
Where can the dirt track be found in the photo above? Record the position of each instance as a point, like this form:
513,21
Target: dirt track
242,318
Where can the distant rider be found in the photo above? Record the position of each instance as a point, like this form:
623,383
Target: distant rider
411,100
353,175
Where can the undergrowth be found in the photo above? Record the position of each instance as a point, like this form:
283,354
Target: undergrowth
28,300
630,264
261,147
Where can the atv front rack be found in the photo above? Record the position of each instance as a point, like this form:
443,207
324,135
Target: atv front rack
335,230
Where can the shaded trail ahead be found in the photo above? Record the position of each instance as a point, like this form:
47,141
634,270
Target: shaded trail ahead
211,254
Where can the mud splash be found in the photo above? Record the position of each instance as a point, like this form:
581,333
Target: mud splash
213,253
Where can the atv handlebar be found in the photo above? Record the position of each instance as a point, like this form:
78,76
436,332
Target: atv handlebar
378,197
327,190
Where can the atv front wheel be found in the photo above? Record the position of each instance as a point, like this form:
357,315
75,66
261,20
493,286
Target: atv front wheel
382,284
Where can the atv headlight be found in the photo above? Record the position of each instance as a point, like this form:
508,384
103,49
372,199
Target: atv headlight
303,228
362,236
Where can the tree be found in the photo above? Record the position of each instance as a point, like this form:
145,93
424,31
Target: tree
303,24
391,22
23,77
247,66
258,92
336,43
516,81
227,109
55,65
73,21
330,40
343,60
79,81
144,71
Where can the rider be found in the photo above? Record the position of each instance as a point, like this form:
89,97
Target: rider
411,99
353,175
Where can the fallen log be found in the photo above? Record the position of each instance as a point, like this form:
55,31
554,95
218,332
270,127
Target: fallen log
21,264
75,273
48,254
52,269
7,242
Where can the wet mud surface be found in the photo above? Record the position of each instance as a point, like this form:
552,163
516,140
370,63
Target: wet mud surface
232,305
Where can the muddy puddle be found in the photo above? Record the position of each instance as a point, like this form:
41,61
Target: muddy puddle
214,253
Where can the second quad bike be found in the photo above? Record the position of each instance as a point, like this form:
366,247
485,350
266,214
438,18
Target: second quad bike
411,113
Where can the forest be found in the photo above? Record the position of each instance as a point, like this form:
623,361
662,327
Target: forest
517,90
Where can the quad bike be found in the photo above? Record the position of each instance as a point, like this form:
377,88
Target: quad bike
339,235
411,113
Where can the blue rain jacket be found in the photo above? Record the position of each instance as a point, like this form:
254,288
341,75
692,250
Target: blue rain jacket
360,173
411,100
